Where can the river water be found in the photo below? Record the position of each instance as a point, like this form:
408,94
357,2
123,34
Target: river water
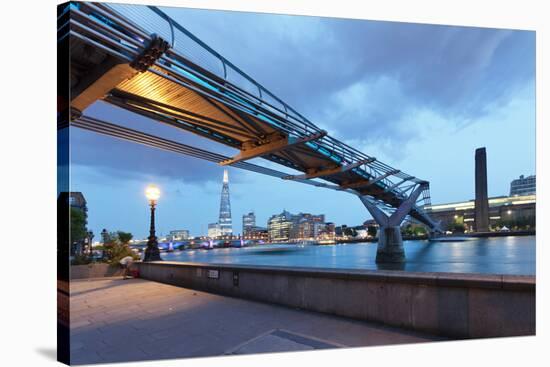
497,255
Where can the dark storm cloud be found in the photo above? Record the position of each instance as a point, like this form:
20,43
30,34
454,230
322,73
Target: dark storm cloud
319,65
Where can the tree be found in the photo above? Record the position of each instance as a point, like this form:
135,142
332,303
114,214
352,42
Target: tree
515,224
413,230
350,231
457,225
78,233
459,228
420,231
120,251
78,225
116,246
124,237
407,230
371,231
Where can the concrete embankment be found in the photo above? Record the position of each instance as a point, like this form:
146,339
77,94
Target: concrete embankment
446,304
95,271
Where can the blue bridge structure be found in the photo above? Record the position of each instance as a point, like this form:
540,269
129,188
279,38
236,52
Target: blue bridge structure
139,59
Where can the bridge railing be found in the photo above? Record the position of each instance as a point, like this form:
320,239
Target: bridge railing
132,26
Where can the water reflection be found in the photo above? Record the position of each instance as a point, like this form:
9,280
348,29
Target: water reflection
502,255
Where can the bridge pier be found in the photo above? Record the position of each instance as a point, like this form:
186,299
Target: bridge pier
390,245
390,242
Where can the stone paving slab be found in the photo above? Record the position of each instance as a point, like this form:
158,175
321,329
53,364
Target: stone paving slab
270,344
281,341
115,320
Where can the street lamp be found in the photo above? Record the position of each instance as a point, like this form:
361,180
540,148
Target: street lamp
152,252
90,239
104,235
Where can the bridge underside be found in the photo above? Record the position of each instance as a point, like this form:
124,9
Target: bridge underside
115,60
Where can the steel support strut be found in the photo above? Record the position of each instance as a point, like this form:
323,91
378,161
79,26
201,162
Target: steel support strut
390,242
275,145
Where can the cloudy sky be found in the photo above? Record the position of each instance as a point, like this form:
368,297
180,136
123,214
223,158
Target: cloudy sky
418,97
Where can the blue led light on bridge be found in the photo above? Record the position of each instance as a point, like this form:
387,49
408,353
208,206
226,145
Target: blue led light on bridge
183,72
196,79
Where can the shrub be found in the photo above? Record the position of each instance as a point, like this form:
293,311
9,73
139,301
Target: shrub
118,251
81,260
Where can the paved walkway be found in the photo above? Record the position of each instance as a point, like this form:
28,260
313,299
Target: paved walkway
114,320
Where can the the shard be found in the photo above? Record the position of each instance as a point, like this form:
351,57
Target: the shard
225,222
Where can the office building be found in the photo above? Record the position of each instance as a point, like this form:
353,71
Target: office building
257,234
249,222
178,235
214,230
308,226
287,226
524,186
279,226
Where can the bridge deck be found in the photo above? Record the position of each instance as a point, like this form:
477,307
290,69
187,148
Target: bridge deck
191,87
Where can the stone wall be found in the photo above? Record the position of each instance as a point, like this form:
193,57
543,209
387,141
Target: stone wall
447,304
95,271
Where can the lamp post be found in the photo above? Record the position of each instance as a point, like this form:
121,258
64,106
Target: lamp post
104,235
152,252
90,239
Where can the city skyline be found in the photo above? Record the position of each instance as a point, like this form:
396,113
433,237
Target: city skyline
265,224
390,106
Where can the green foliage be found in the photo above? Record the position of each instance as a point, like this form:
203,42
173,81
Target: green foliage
124,237
413,230
371,231
78,225
350,231
517,224
116,247
458,228
457,225
420,231
120,251
81,260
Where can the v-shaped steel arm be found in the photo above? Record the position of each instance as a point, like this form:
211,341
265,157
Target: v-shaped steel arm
397,217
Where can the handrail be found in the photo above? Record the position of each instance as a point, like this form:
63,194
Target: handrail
111,27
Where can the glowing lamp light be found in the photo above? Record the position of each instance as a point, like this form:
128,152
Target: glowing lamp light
152,193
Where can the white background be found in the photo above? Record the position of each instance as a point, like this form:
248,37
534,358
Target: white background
28,179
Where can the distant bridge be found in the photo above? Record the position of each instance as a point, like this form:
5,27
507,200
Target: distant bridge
138,58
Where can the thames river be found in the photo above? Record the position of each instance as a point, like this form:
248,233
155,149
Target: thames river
498,255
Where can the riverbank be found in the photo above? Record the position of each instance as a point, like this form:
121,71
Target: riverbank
426,237
450,305
502,234
375,239
513,255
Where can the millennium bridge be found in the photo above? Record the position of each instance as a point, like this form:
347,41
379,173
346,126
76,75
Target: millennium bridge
139,59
